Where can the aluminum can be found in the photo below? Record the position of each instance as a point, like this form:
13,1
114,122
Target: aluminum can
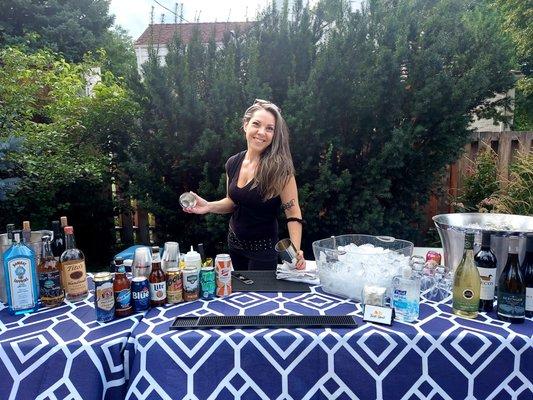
223,274
140,293
207,283
433,256
104,298
174,286
190,283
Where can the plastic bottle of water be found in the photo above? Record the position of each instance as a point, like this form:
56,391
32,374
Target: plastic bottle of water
406,296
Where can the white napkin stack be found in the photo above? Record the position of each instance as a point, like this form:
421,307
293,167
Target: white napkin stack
308,275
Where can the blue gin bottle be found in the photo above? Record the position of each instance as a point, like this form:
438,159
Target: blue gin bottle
20,273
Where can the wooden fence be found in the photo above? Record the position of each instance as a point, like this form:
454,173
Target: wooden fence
505,144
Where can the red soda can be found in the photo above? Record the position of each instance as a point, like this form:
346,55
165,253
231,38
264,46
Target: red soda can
223,273
433,256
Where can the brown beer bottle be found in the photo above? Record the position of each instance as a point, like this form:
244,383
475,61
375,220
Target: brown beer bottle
158,282
122,290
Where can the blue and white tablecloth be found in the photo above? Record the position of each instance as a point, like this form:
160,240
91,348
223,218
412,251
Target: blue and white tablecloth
442,356
63,353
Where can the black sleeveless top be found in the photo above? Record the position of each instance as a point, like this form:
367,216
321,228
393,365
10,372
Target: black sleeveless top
253,218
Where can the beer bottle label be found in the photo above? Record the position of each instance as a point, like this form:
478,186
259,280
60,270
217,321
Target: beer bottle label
123,299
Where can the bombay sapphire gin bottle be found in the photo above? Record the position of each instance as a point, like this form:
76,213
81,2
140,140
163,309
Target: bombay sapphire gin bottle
20,272
406,296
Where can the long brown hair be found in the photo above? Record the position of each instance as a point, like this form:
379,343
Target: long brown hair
275,166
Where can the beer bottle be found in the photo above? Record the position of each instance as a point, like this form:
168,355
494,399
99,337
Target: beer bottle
511,287
527,272
73,268
485,261
49,276
157,279
122,290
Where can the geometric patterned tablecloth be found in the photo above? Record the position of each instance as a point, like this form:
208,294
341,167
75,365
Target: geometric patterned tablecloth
441,356
63,353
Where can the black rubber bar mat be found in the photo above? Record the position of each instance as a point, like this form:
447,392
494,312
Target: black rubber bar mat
265,281
265,321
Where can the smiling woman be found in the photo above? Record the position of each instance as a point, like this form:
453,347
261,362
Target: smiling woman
260,181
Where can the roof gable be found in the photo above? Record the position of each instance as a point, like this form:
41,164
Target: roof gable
163,33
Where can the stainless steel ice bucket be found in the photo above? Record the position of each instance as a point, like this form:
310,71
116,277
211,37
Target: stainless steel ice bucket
452,228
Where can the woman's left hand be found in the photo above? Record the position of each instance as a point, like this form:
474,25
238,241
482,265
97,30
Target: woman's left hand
300,260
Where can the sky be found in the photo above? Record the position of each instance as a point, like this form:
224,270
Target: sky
134,15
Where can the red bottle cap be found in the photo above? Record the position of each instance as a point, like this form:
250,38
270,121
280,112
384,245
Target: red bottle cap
69,230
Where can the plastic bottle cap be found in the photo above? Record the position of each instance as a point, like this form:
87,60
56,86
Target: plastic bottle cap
192,257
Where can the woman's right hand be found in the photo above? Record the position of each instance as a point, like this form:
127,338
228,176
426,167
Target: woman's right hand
201,207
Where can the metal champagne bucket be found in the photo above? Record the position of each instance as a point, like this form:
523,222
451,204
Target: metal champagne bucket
35,244
452,228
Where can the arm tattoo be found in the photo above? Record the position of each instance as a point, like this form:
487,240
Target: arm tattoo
288,205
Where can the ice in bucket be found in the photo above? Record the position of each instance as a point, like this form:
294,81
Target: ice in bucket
347,263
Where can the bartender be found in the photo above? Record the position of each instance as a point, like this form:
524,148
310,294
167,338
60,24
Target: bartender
259,181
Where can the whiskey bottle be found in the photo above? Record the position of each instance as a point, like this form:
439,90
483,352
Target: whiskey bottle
49,275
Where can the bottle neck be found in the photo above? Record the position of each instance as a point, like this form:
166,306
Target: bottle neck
70,243
120,269
46,251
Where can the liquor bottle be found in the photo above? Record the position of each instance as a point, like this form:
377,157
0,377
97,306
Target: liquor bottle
511,287
158,282
486,264
64,222
49,275
122,290
58,242
406,296
9,231
20,273
73,268
26,232
201,251
466,283
527,272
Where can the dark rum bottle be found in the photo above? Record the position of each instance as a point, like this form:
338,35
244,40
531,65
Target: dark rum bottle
73,267
486,264
511,288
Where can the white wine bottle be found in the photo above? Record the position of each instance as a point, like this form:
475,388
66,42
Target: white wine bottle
466,283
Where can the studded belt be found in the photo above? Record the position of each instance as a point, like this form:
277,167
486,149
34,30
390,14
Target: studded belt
249,245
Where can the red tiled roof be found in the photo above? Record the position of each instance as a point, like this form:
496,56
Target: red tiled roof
163,33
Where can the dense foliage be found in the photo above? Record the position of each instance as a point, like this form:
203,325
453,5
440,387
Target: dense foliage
68,143
378,103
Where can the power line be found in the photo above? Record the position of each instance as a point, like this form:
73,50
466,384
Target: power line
169,10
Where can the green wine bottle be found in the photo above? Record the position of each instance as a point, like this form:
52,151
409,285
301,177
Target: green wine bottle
466,283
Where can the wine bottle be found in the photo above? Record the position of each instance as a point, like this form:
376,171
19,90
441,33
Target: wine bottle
527,272
511,287
486,264
466,283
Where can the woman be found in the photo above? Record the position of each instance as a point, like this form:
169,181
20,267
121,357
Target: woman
259,181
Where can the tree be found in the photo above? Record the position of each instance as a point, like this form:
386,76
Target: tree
69,27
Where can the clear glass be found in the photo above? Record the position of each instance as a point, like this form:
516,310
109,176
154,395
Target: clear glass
142,262
171,256
187,200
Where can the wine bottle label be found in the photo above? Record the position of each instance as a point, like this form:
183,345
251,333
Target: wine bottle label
75,277
466,301
158,291
50,284
529,299
488,280
511,305
104,297
21,283
123,299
